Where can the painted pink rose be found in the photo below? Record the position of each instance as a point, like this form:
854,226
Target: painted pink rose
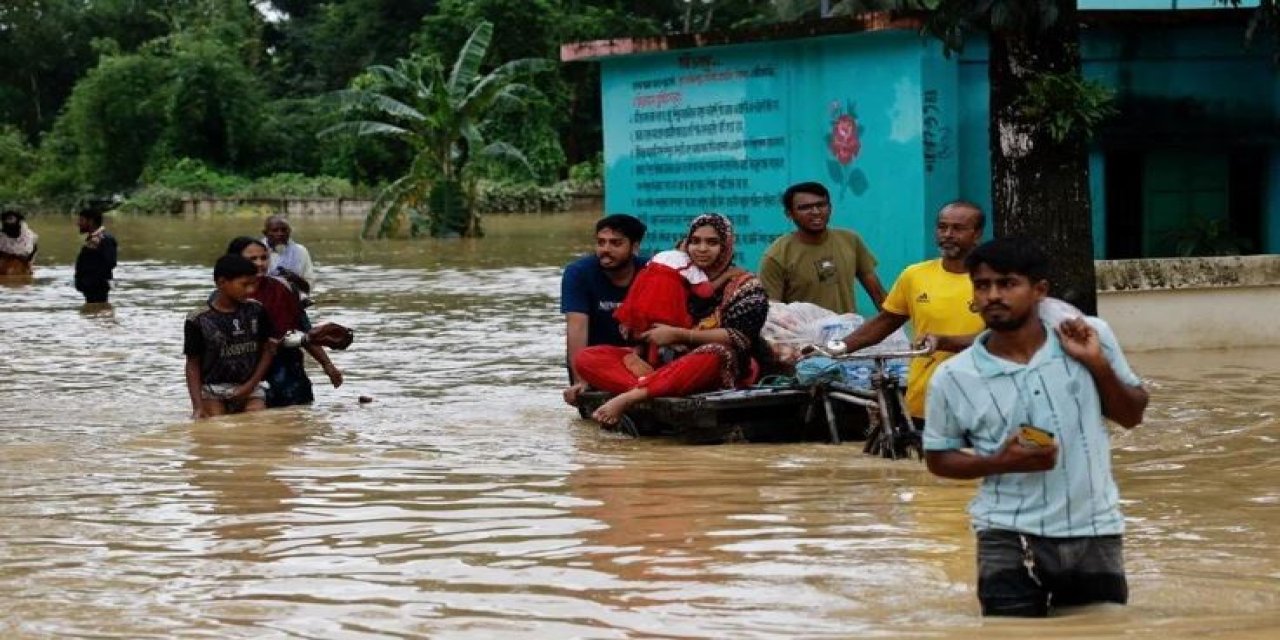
845,144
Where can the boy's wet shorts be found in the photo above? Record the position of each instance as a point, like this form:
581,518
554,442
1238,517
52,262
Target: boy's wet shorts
223,391
1024,575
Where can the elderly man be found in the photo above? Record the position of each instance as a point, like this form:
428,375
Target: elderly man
17,245
937,297
289,260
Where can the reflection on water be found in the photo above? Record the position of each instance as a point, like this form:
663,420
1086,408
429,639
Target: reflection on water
466,501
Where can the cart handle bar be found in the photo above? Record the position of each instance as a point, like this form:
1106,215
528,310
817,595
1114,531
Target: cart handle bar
837,353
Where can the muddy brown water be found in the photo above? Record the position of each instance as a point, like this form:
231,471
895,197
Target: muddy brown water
467,502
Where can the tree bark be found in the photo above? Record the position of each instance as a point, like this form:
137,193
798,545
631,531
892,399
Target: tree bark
1040,187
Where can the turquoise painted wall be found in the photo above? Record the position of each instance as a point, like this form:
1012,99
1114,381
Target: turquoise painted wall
1207,68
728,128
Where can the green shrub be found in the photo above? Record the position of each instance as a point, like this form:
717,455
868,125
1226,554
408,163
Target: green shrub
494,197
17,163
167,187
588,175
296,185
154,199
195,179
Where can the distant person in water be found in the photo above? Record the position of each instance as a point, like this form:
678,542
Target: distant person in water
228,344
287,379
17,245
289,260
96,263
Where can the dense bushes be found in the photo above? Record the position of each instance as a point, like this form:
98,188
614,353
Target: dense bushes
495,197
588,176
16,163
103,100
166,188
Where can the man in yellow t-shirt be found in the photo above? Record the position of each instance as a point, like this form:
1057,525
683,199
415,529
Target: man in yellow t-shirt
816,264
937,297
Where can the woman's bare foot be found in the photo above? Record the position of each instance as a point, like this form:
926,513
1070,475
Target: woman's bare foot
610,412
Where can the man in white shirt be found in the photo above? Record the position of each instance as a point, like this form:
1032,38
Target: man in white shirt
289,260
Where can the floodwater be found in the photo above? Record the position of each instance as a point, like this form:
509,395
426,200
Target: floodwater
467,502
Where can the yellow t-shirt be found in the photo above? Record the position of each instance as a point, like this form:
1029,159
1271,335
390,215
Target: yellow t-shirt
938,302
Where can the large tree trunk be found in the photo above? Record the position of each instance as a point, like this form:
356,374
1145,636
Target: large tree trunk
1040,188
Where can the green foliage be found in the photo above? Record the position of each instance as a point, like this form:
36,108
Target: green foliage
500,197
154,199
213,104
1205,236
112,122
451,214
297,185
950,20
17,163
56,179
47,46
324,45
1068,105
167,187
116,90
521,29
189,94
442,115
588,175
533,131
195,178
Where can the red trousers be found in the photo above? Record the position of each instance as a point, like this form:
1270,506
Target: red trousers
601,367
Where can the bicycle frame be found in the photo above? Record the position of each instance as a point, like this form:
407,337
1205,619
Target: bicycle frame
892,434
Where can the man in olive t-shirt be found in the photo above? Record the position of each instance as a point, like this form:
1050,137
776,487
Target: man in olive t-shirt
816,264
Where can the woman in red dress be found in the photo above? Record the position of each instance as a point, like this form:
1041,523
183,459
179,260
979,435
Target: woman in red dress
719,348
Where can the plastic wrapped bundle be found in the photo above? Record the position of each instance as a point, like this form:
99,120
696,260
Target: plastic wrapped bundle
793,326
855,373
1054,311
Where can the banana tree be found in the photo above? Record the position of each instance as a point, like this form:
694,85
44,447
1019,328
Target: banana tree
443,117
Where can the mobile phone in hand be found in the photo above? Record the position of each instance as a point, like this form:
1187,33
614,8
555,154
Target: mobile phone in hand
1033,436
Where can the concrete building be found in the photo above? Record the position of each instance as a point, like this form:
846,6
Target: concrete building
894,128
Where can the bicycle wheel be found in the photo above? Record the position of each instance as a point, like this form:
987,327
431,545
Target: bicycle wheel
907,439
894,435
881,439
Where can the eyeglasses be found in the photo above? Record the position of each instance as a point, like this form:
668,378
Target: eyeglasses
813,206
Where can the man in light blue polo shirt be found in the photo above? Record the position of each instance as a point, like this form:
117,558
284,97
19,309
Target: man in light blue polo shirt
1047,515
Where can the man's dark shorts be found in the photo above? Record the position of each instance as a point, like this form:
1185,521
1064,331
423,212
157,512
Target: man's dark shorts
1026,575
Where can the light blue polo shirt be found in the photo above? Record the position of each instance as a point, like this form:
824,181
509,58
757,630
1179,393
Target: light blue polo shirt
979,400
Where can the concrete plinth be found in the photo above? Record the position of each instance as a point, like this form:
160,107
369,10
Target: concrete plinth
1192,303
